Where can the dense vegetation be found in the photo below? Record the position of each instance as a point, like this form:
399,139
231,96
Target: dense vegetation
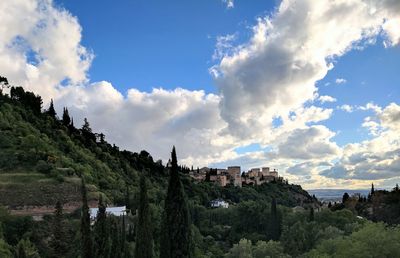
47,161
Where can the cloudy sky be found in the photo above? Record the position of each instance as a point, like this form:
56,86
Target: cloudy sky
308,87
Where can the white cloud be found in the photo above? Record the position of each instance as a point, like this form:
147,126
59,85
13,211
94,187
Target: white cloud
346,108
326,98
154,121
224,46
370,106
374,159
229,4
40,46
309,143
276,71
340,81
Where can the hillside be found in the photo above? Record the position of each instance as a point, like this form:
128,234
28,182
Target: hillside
42,156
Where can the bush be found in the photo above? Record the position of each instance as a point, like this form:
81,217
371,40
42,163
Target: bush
43,167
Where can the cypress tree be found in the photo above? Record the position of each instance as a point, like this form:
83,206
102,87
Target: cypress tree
85,225
101,234
372,189
58,242
345,197
66,119
275,224
311,216
144,239
116,245
51,111
175,236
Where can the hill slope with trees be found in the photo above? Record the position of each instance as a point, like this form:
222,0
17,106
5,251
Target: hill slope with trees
48,164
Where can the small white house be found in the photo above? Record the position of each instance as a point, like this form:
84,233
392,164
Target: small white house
219,203
115,211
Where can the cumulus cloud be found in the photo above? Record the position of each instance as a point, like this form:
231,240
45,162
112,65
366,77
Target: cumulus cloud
229,4
377,158
153,121
346,108
40,46
326,98
309,143
276,71
340,81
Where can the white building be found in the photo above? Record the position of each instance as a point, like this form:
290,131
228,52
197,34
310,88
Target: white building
115,211
219,203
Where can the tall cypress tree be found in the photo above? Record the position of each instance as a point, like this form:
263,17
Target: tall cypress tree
66,119
175,236
100,228
85,225
275,223
51,111
372,189
311,215
144,238
58,241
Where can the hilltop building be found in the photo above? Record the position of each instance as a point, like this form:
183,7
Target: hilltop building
233,176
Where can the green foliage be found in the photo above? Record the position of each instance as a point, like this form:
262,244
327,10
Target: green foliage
245,249
51,111
85,225
66,119
5,249
275,223
25,249
269,249
175,236
373,240
58,241
101,229
144,238
241,250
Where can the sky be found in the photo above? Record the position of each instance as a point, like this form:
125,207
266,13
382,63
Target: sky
310,88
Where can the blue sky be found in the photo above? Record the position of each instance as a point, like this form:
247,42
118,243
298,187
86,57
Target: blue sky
169,44
308,87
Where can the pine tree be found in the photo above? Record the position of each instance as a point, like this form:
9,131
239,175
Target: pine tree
66,120
275,224
58,241
175,236
51,111
144,239
87,131
100,229
85,225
